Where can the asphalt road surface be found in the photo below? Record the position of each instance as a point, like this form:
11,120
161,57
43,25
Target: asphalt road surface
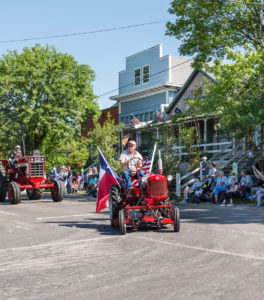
66,251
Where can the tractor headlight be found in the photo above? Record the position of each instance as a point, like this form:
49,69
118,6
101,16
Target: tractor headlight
144,179
169,178
32,159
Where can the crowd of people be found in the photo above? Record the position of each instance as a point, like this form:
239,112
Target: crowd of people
223,189
76,182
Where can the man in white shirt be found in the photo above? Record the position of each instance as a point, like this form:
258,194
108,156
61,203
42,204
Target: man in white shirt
196,187
131,161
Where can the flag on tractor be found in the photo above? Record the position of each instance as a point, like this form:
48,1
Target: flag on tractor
107,177
134,120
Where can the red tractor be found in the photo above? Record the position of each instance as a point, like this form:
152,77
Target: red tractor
144,205
27,173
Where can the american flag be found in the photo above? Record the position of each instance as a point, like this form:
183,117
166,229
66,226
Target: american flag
134,120
147,165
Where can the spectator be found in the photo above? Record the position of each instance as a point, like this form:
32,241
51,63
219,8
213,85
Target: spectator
233,192
229,179
92,186
53,173
95,172
220,186
245,184
260,192
79,181
65,179
204,166
70,175
196,188
212,170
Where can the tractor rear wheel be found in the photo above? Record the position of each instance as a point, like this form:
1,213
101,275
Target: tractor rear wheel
122,225
176,219
114,202
35,194
3,183
57,192
14,193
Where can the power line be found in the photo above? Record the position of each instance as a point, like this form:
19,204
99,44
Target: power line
83,33
149,77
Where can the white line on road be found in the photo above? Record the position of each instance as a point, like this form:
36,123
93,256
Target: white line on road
39,246
69,216
218,251
7,213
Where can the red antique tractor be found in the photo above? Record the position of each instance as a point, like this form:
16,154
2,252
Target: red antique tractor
27,173
144,205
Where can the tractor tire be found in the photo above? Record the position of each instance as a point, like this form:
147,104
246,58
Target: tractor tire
176,219
35,194
14,192
122,225
57,192
3,183
114,202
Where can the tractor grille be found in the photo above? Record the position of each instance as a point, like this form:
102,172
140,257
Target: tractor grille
37,170
158,189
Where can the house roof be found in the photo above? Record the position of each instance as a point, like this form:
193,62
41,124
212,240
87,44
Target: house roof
185,87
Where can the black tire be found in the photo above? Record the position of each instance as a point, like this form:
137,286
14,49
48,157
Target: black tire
3,183
57,192
35,194
14,193
122,225
176,219
114,202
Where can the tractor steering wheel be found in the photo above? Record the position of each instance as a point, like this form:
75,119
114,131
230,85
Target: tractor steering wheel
129,165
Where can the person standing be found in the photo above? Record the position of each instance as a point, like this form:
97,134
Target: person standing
70,175
204,166
65,179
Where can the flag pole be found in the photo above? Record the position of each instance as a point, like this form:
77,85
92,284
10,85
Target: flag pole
152,160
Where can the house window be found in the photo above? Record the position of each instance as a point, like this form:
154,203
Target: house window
122,120
145,74
137,77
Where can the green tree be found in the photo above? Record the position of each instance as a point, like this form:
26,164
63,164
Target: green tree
237,98
44,95
106,137
207,27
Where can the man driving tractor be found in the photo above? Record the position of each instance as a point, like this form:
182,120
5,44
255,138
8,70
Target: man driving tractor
131,161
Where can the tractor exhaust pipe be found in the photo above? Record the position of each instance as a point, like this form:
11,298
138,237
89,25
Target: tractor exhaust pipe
23,149
160,164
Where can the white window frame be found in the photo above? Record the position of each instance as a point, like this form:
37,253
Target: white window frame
139,76
143,74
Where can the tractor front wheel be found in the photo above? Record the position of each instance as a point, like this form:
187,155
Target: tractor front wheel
35,194
122,225
176,219
14,193
3,183
57,192
114,203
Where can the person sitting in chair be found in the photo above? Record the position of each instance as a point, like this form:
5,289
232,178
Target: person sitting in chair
131,161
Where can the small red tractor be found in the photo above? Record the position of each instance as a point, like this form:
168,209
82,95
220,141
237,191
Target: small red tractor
27,173
145,205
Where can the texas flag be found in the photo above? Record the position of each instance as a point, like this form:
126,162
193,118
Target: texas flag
107,177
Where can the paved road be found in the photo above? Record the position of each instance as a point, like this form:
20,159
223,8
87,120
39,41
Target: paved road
66,251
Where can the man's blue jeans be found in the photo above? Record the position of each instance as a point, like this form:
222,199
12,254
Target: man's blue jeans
127,177
70,186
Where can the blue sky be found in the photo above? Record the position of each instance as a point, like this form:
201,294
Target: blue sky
104,52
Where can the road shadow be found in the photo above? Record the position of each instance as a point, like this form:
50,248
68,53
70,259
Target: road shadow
221,215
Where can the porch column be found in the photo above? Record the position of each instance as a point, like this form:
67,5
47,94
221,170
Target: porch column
180,149
205,133
139,138
234,144
158,136
121,138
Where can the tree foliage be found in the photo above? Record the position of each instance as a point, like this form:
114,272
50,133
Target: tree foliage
237,98
44,95
105,137
206,28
